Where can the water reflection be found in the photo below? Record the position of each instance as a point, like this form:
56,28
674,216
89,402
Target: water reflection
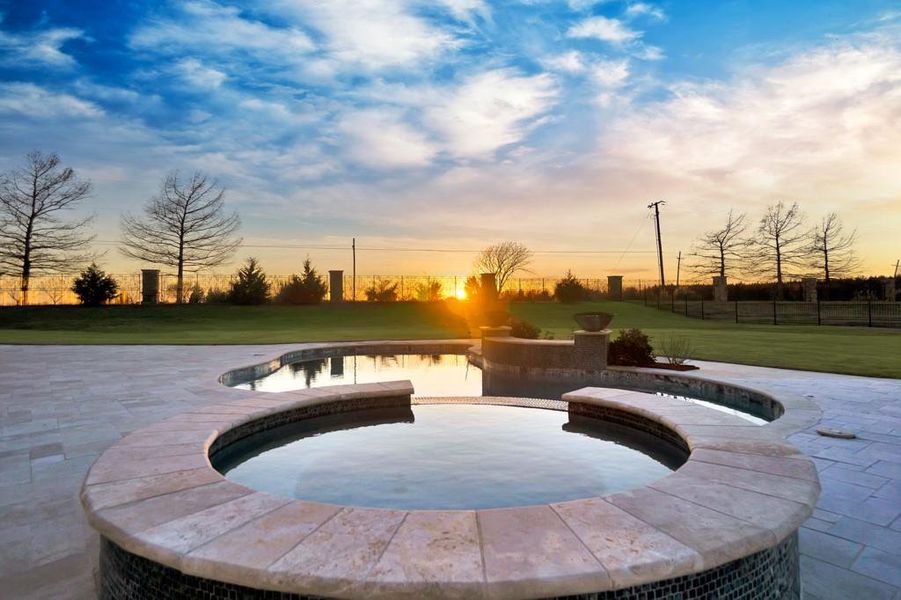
431,374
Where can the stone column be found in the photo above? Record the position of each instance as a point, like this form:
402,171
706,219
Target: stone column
891,292
615,287
488,289
336,286
591,349
720,289
150,286
809,285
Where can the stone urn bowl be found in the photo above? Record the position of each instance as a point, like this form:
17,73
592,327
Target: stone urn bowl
593,321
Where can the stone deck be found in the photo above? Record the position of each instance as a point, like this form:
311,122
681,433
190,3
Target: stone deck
63,405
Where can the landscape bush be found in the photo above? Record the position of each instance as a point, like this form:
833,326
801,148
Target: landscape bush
94,287
676,350
524,329
381,290
197,295
216,296
308,288
569,289
632,348
428,292
250,285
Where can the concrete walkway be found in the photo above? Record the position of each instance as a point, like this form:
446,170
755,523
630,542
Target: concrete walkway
60,406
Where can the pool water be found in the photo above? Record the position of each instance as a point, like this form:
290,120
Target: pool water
431,374
442,456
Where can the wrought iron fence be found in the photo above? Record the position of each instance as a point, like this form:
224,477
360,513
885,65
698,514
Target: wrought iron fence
866,313
56,289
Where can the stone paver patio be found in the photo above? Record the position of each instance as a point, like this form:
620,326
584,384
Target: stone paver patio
63,405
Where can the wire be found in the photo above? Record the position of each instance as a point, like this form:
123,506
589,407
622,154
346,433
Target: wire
386,249
632,241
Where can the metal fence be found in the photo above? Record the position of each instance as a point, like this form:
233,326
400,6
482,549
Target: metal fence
866,313
56,289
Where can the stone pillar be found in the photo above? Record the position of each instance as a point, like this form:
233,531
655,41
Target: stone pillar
809,285
336,286
336,366
615,287
720,289
488,288
591,349
150,286
891,292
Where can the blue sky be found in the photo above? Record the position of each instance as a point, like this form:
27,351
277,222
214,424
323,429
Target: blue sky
456,123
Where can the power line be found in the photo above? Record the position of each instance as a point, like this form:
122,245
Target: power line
388,249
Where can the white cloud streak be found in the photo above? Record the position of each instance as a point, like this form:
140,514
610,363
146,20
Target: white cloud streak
39,48
612,31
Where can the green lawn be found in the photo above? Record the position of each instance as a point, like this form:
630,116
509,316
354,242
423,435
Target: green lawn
855,350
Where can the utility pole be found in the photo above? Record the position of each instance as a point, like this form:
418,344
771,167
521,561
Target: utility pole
353,247
897,264
678,267
656,207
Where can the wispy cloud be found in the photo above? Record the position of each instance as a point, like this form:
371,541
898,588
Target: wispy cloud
381,138
640,9
194,72
375,34
490,110
213,30
30,100
37,48
605,29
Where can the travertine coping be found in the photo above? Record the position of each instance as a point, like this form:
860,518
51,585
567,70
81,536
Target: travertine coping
742,490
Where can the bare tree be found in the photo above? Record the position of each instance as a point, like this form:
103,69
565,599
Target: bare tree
832,249
781,246
717,251
35,234
184,227
503,260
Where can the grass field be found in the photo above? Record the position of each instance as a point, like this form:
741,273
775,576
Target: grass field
853,350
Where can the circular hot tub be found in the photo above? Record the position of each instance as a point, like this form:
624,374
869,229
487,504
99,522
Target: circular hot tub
722,524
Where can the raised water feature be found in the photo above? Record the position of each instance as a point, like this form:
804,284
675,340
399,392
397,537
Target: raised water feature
365,491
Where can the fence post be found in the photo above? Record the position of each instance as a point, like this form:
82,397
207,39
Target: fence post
736,311
673,301
775,321
819,318
401,287
686,304
702,308
869,312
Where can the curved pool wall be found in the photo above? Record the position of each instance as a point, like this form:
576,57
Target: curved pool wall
724,524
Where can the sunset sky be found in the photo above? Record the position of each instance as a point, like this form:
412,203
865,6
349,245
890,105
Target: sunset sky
451,124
